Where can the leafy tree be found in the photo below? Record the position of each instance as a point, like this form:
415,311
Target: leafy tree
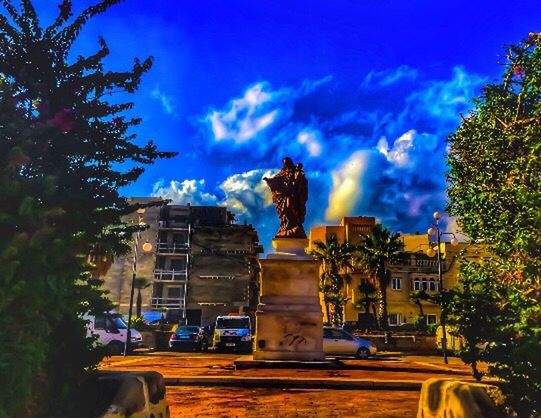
474,313
337,259
65,151
378,251
140,284
495,192
417,297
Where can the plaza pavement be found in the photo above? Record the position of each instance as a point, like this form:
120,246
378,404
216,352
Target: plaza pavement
209,385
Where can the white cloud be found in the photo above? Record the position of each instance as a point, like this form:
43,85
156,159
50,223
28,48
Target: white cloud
184,192
388,77
165,100
246,193
312,141
245,117
398,154
346,186
445,99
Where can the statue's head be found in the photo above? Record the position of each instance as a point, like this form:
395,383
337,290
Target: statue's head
288,163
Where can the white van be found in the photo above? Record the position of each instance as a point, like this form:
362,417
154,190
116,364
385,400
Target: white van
110,330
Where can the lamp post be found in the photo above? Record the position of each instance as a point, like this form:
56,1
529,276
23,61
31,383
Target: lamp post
147,247
435,230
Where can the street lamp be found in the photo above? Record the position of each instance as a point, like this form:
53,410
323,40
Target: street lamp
147,247
435,231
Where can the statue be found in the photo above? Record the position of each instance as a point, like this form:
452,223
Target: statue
289,189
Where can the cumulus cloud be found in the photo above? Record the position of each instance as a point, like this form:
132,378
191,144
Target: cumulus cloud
443,100
165,100
398,154
378,150
184,192
312,141
346,186
245,117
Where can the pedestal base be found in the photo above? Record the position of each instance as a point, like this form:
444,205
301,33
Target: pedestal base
289,318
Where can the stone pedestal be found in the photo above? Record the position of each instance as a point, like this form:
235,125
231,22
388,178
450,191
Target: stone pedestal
289,318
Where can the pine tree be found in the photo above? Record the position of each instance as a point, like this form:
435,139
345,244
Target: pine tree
61,142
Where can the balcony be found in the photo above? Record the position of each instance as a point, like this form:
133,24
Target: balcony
172,248
177,303
161,275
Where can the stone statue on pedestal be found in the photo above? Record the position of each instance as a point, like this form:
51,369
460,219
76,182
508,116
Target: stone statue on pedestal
289,189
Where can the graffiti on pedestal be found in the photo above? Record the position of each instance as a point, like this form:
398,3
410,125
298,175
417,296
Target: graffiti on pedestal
294,336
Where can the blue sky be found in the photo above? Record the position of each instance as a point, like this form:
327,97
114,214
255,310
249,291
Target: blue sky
362,92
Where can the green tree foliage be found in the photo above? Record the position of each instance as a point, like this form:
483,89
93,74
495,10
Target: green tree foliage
337,260
378,251
61,147
495,192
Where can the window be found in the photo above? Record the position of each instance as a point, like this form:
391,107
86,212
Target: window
178,264
232,323
396,284
431,319
426,285
173,292
395,319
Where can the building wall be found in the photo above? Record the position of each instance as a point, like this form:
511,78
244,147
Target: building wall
117,281
417,267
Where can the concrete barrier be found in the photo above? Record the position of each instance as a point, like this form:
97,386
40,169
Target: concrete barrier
133,395
450,398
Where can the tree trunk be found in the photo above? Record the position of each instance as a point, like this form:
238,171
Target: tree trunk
366,304
421,311
382,305
139,303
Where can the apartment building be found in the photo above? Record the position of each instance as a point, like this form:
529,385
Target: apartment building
203,265
416,272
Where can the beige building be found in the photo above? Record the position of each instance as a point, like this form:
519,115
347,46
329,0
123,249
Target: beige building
202,265
418,272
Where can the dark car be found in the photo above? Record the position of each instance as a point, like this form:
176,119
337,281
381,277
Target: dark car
189,337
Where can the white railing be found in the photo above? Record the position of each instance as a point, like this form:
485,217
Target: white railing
172,248
177,303
162,275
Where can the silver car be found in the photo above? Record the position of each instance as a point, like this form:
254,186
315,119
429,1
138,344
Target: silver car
337,342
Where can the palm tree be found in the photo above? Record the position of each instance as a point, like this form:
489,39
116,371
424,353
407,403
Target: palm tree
140,284
378,251
368,301
337,259
367,289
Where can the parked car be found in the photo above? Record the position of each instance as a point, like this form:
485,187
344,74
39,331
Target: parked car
338,342
232,333
110,331
189,337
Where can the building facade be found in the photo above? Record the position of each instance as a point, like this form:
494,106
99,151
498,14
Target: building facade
202,265
417,272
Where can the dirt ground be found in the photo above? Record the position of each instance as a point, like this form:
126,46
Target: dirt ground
212,402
